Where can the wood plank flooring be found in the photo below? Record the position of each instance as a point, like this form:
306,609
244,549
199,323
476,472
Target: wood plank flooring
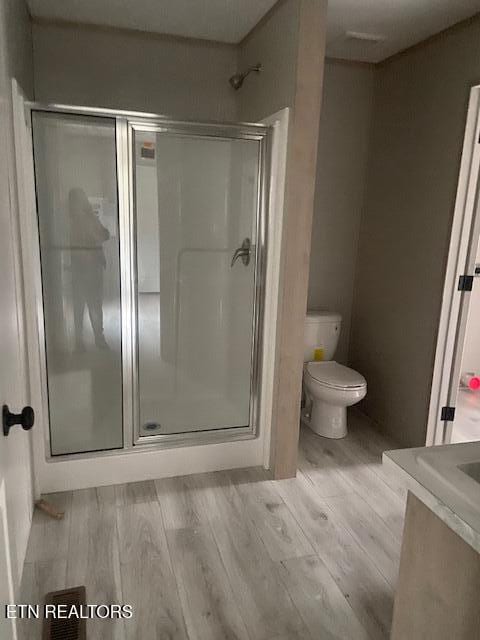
234,555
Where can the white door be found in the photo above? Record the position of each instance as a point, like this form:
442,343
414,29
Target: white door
15,467
459,274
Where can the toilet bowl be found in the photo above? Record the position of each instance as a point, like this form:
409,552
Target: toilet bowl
330,388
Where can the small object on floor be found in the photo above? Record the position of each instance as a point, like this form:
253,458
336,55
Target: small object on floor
62,628
470,380
49,509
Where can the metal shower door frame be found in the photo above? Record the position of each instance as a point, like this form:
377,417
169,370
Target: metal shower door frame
198,130
126,124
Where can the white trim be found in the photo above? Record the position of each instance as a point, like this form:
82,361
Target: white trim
7,548
31,276
24,247
278,167
454,304
57,474
131,465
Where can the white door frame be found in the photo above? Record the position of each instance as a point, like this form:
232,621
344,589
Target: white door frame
7,587
130,465
29,256
461,261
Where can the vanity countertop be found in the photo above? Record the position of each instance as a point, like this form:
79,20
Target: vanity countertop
447,480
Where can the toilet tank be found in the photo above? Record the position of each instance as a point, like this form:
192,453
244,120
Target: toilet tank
322,330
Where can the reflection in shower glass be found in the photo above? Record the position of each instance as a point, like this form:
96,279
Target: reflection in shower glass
75,169
195,204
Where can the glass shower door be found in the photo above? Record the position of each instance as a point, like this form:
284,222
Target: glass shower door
77,204
196,212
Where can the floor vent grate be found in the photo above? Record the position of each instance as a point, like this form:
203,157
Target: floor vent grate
67,629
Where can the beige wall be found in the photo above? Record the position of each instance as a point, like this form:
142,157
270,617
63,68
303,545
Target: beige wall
419,119
297,84
131,70
341,174
274,44
290,44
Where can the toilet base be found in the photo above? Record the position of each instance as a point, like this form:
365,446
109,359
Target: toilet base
328,420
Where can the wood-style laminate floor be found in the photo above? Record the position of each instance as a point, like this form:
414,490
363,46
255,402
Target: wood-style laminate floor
233,555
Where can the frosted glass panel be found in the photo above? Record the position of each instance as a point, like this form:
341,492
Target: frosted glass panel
75,168
196,202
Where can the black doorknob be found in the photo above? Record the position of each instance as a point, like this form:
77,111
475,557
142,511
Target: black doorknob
9,419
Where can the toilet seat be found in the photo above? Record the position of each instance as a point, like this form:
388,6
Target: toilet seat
335,376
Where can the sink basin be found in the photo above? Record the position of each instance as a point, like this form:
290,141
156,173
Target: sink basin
447,479
457,469
472,470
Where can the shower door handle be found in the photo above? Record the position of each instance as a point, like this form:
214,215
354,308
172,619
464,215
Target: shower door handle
243,252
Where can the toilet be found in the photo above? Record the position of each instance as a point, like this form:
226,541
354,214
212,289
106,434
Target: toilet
329,387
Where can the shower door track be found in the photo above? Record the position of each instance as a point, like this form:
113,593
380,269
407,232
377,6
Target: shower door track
126,122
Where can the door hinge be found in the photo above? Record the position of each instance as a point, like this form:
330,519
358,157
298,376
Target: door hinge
448,414
465,283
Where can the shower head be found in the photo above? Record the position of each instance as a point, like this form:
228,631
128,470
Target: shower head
236,81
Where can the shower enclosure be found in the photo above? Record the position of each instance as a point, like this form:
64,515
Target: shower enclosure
152,264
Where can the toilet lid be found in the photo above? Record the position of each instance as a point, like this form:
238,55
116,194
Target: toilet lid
332,374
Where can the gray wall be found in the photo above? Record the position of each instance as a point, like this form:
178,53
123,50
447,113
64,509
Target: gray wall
341,175
274,43
79,64
19,44
419,119
132,70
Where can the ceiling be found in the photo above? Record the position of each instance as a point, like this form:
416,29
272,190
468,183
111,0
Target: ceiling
401,22
397,23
